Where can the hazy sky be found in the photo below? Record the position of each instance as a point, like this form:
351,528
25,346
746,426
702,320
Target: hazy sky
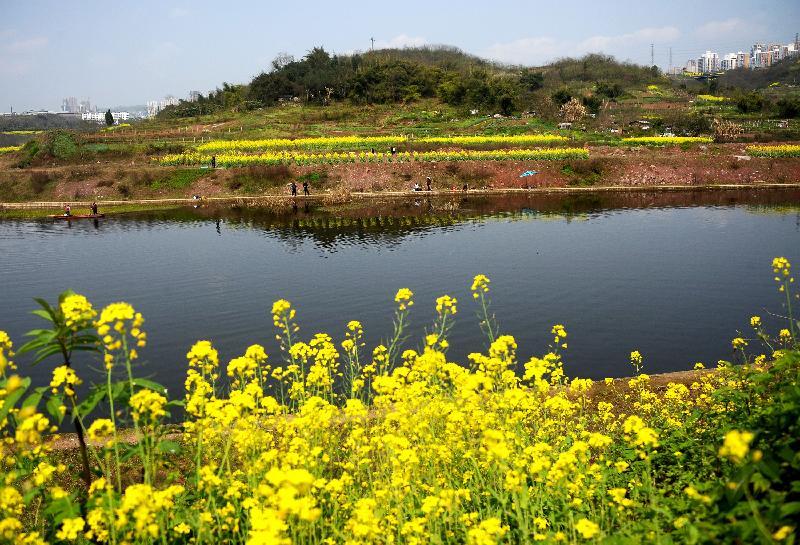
128,52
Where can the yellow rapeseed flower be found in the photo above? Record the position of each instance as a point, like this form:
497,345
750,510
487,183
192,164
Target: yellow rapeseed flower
586,528
736,445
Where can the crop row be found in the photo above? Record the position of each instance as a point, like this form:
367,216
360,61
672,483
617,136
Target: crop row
711,98
666,140
9,149
367,142
241,160
784,150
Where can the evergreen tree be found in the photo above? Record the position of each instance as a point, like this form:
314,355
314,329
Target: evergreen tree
109,118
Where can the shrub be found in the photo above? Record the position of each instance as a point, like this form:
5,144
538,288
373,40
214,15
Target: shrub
39,181
750,102
62,145
592,103
28,153
561,97
608,90
788,107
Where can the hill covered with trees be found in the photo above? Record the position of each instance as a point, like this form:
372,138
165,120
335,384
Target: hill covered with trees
405,75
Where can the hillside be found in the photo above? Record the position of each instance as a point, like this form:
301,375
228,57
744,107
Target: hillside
785,72
392,76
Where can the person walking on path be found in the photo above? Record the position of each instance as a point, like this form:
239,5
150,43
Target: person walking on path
213,161
305,189
428,182
293,187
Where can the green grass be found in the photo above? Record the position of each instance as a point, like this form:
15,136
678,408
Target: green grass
179,179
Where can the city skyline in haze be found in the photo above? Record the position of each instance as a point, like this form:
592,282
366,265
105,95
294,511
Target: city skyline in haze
129,53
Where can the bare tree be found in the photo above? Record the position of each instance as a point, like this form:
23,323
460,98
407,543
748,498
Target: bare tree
281,60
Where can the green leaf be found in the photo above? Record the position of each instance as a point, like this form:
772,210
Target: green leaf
53,404
13,397
34,399
789,509
46,352
95,396
150,385
47,308
33,344
760,483
118,388
39,332
60,509
167,446
42,314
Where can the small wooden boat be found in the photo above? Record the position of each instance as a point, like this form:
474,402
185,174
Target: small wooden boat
76,216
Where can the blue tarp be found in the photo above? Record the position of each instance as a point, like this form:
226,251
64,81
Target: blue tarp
528,173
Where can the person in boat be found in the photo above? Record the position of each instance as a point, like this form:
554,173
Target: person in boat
94,208
428,182
67,210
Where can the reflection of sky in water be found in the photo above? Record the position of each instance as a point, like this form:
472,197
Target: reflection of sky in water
674,283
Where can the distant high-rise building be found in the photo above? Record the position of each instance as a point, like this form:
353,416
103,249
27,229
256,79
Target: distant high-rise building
194,96
85,106
155,106
728,62
708,62
742,60
691,66
70,105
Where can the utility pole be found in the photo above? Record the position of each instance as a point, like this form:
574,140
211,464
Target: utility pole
670,59
372,46
652,59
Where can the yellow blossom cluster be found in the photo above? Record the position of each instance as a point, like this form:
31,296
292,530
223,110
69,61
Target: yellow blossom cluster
326,444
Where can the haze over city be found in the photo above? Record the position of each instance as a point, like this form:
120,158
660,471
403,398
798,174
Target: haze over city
134,52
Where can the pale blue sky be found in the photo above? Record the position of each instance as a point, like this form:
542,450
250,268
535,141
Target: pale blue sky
121,53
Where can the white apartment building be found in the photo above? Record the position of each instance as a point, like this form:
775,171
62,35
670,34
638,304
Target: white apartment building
100,117
708,62
729,62
155,106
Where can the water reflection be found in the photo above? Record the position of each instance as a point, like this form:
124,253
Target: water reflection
671,274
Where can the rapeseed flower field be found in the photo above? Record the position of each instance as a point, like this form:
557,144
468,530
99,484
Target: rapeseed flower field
235,159
339,143
328,442
779,150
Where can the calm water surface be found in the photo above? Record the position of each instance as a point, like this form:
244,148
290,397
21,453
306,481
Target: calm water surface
672,275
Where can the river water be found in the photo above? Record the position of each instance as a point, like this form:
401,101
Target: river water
673,275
